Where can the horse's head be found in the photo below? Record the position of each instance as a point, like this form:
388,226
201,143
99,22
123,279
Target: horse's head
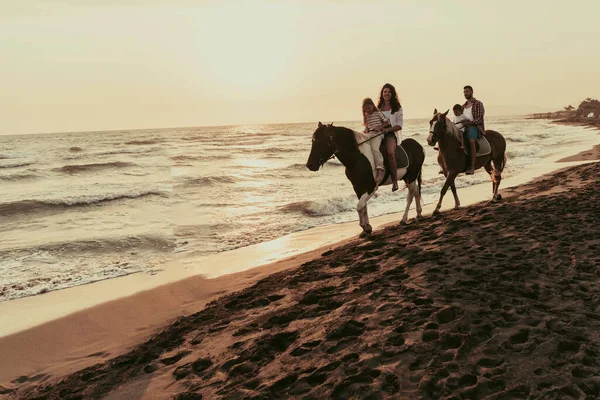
323,146
437,127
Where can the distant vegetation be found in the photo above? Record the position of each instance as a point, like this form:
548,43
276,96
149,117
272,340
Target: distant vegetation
587,109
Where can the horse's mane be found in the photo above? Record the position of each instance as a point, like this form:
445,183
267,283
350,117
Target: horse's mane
351,133
452,129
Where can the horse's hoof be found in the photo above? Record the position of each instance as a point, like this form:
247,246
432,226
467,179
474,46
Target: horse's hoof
457,207
368,229
364,234
498,197
403,223
436,212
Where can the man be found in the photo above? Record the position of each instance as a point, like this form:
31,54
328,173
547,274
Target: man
474,111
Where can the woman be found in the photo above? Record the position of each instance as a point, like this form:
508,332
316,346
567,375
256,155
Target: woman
391,108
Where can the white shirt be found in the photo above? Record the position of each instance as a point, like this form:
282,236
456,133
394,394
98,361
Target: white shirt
457,121
468,112
396,118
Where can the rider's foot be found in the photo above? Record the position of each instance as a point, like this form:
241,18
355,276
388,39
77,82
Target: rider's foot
379,177
395,186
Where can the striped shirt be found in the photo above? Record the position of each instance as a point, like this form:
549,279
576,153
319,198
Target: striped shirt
376,119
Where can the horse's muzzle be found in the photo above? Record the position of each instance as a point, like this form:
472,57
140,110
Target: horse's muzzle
313,166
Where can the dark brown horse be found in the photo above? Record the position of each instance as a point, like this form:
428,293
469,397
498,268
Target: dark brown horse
453,159
354,153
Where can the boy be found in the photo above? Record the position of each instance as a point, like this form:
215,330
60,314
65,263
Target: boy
459,116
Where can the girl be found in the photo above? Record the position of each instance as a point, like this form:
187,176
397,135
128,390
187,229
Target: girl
374,122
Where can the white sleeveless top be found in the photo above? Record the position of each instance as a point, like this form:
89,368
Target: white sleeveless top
468,112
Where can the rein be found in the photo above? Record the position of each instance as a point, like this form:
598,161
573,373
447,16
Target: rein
332,144
369,139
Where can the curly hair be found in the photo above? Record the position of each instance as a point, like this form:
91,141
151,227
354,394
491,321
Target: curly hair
394,102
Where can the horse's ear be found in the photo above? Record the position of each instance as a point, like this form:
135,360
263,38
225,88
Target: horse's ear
446,113
435,111
320,124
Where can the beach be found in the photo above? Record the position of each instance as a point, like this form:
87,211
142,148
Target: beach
448,305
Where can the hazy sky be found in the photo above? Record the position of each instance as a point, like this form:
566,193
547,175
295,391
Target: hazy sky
76,65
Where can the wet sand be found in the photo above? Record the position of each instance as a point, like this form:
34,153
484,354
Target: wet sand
492,300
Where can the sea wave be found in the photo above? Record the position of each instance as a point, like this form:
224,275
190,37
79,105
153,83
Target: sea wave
321,208
40,205
8,156
74,168
269,150
123,151
516,139
209,180
185,157
18,177
143,142
16,164
103,245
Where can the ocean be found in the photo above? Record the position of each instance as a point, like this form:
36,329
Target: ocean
81,207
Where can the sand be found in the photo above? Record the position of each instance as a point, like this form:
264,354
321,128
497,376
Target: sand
489,301
49,336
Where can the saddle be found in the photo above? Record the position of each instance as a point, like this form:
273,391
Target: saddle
402,160
482,146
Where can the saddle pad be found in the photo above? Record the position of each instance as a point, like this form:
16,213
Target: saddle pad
483,147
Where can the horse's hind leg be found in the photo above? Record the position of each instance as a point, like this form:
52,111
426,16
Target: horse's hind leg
419,200
499,164
490,171
412,190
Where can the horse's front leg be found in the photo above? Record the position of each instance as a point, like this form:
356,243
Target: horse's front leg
361,208
449,182
456,200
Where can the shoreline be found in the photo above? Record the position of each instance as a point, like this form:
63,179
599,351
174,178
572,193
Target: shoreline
87,307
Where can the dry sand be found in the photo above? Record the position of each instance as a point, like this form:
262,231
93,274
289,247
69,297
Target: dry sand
497,301
49,336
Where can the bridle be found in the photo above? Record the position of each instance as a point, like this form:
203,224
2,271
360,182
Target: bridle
331,145
434,136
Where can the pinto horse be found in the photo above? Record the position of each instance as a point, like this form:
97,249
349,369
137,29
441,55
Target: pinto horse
355,154
453,159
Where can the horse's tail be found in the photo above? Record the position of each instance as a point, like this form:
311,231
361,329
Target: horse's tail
499,165
419,182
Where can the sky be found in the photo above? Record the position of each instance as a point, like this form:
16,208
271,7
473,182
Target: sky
82,65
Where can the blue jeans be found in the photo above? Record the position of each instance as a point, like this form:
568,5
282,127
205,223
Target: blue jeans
472,132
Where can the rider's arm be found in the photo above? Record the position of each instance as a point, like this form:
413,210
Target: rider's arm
397,121
478,113
384,122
